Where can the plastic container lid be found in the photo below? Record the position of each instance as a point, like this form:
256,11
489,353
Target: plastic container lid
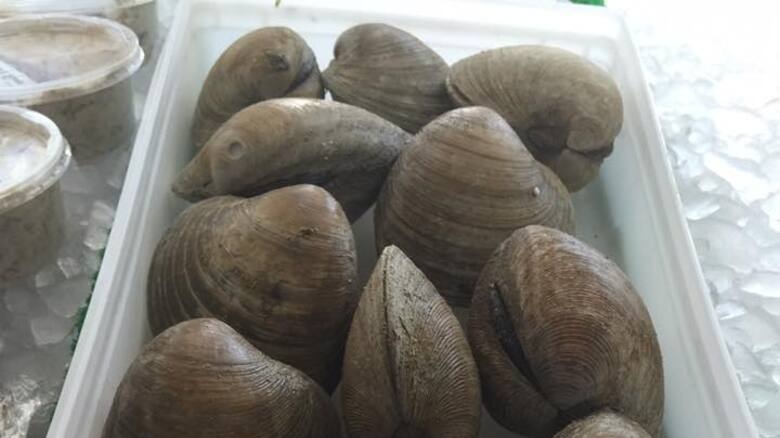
10,7
47,58
33,155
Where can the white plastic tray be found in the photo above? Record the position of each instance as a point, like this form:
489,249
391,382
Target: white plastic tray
632,212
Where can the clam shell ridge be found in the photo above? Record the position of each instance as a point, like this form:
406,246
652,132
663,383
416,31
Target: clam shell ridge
566,109
280,268
462,186
264,64
408,370
389,72
345,149
202,379
558,333
603,425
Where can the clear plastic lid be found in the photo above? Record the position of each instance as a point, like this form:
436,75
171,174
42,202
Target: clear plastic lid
11,7
46,58
33,155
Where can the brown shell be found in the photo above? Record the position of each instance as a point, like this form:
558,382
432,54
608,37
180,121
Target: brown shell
345,149
408,370
202,379
264,64
605,424
389,72
463,184
280,268
566,109
558,333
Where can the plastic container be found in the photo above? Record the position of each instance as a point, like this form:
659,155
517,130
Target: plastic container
75,70
631,212
138,15
33,157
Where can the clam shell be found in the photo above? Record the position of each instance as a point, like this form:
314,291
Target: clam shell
280,268
603,425
202,379
463,185
566,109
281,142
264,64
389,72
408,370
558,333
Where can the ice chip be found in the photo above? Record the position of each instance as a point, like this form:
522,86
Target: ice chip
20,299
771,358
48,276
70,266
95,237
753,330
102,215
64,299
767,418
748,186
762,283
50,329
18,401
720,243
729,309
758,396
749,371
772,208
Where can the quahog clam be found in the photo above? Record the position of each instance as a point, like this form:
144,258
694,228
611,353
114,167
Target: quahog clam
345,149
264,64
408,370
461,186
202,379
389,72
604,424
280,268
566,109
559,333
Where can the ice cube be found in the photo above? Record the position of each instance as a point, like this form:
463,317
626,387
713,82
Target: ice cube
48,276
116,177
70,266
763,283
96,237
758,396
749,371
92,260
721,277
749,187
20,299
723,244
770,358
770,258
65,298
102,215
701,208
753,330
50,329
729,309
18,402
79,179
772,208
767,418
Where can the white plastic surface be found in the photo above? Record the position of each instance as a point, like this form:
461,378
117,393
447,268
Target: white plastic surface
631,212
